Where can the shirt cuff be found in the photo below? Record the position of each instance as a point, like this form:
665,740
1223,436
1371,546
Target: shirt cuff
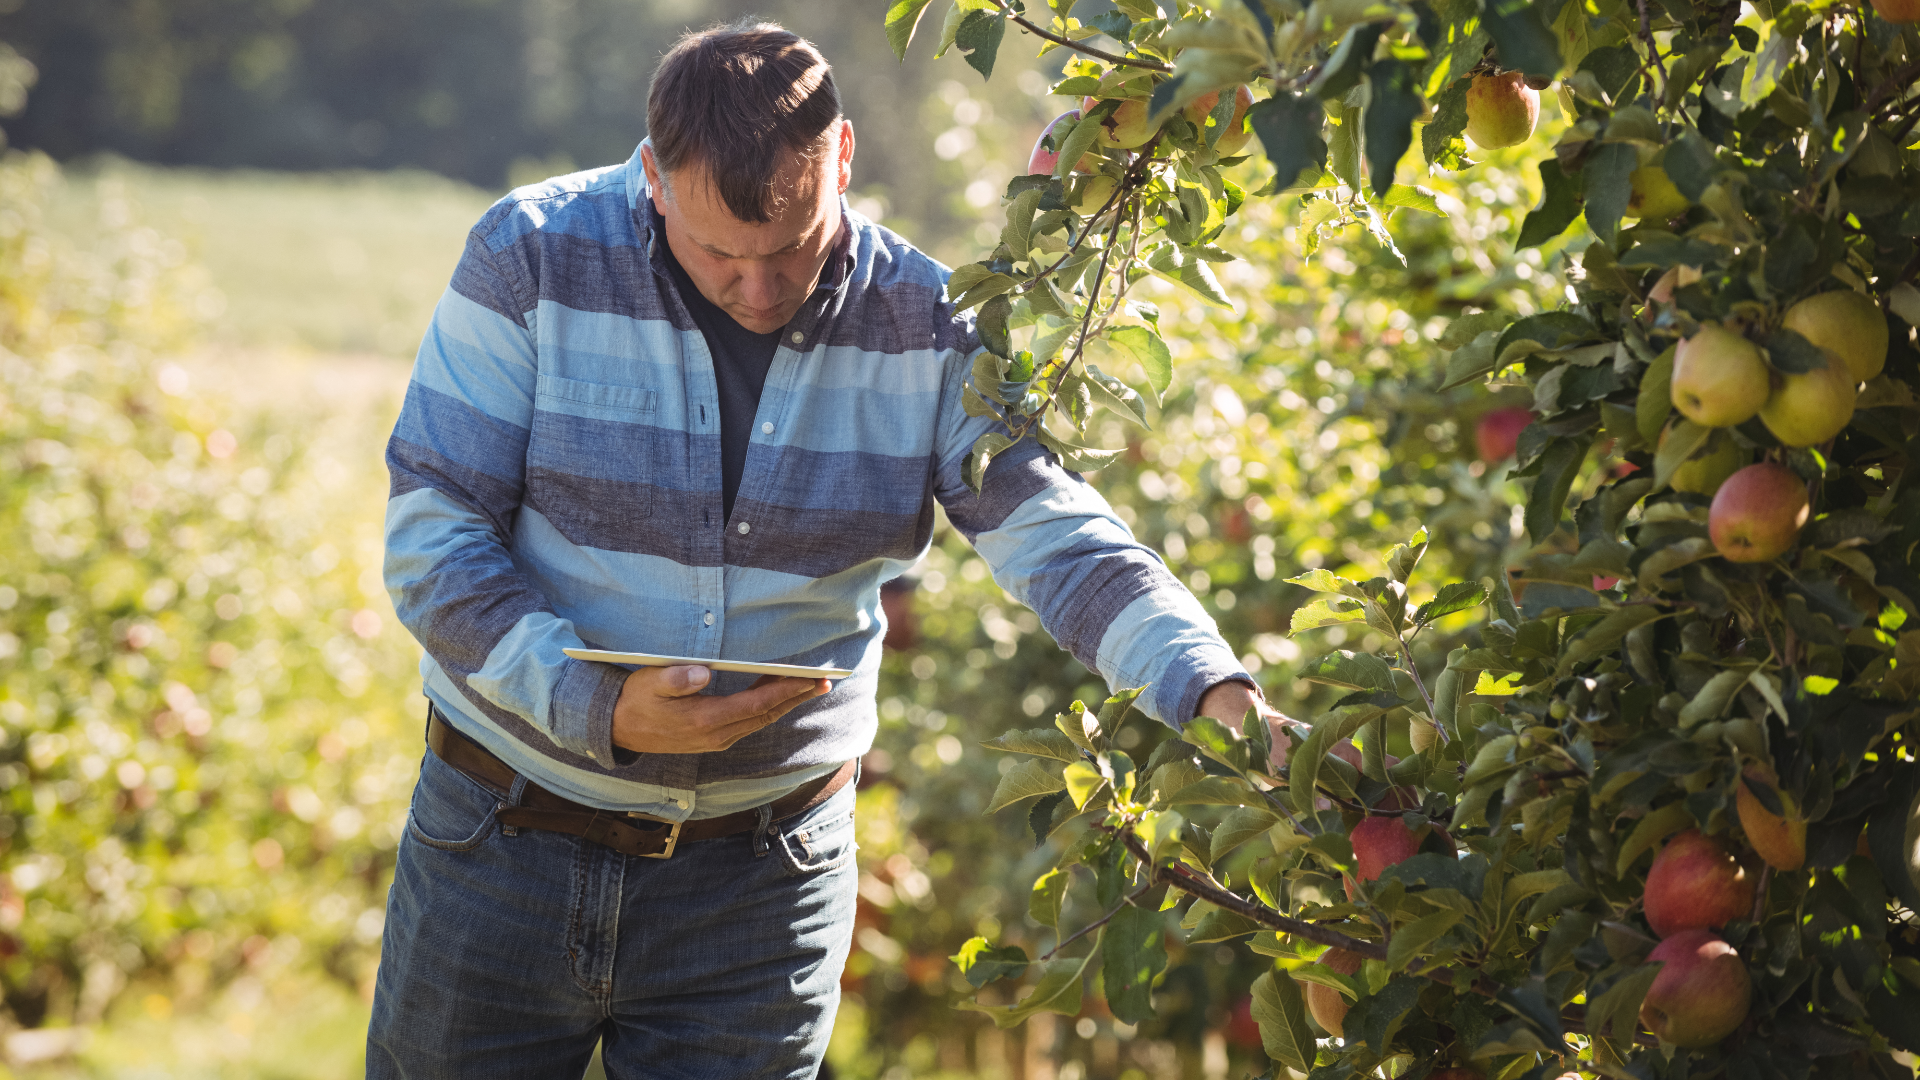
1188,678
582,709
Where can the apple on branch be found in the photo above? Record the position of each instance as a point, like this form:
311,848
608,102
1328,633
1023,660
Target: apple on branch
1898,11
1844,323
1043,161
1780,840
1703,473
1702,992
1719,378
1695,884
1501,110
1329,1006
1810,407
1235,137
1126,127
1497,434
1757,513
1653,197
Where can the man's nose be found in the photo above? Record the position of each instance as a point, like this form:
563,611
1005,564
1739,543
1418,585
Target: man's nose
760,285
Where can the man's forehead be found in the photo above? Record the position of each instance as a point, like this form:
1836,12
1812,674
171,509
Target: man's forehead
796,206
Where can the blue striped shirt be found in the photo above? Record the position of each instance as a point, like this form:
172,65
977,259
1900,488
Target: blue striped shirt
556,482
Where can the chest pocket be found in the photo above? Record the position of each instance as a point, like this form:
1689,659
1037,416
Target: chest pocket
594,458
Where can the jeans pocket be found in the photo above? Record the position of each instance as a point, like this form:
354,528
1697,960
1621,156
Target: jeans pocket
450,811
822,840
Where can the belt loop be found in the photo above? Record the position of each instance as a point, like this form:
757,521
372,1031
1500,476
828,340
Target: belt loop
518,792
760,830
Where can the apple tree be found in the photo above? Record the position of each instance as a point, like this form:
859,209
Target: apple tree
1660,806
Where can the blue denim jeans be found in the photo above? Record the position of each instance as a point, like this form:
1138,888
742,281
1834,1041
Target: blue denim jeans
512,956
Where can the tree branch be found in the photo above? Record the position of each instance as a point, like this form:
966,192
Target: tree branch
1068,43
1125,902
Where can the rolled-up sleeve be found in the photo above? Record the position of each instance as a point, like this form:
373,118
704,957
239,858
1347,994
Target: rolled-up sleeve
1054,544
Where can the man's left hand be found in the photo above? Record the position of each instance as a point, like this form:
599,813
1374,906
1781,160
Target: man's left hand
1228,703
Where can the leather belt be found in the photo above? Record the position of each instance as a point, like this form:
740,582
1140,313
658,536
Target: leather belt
629,832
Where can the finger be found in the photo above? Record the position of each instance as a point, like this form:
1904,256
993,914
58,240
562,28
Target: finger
732,729
682,680
725,709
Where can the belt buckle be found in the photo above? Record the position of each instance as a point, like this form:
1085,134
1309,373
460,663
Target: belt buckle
673,834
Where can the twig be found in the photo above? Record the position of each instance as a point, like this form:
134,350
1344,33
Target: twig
1067,42
1573,1019
1898,81
1413,669
1760,895
1125,902
1653,50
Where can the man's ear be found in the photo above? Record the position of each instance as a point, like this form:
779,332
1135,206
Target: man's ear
656,189
845,164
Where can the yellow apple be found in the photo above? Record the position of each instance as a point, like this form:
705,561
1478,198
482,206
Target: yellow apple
1846,324
1501,110
1654,197
1813,406
1126,127
1782,841
1719,378
1703,474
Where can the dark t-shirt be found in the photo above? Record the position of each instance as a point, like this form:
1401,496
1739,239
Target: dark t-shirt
740,362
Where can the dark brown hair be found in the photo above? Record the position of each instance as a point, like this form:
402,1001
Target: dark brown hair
741,100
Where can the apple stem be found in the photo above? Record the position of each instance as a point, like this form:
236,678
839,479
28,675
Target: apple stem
1068,43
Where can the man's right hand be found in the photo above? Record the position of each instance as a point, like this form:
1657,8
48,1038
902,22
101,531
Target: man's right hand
661,710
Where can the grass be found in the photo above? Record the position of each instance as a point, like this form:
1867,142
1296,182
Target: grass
340,262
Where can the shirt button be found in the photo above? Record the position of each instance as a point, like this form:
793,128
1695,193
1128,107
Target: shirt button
798,337
745,528
707,618
766,429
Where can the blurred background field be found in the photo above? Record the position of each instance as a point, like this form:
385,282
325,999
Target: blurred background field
209,720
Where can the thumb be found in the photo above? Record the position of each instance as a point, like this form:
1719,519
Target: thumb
683,680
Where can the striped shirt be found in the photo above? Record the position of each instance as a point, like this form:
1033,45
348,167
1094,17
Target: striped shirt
556,482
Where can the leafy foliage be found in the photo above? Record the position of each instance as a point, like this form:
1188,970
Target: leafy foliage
1612,694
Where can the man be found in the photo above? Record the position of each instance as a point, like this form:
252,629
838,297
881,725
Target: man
692,406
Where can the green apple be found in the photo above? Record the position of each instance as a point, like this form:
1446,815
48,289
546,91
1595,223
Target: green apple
1757,513
1703,474
1845,324
1719,378
1702,992
1501,110
1095,190
1695,884
1813,406
1781,841
1654,197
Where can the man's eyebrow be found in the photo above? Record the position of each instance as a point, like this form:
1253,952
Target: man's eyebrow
797,243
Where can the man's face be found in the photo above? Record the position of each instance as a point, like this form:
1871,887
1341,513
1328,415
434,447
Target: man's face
758,273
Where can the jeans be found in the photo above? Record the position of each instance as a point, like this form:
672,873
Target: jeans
512,956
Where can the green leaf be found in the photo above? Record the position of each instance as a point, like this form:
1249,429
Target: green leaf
1214,791
1608,188
1354,671
1040,819
1714,697
1058,991
979,39
1650,830
1521,37
1222,925
1655,401
1040,742
903,17
1326,612
980,458
1548,331
1602,636
1326,581
1560,203
1049,898
1281,1011
1024,781
1289,126
1618,1009
1559,465
1380,1014
1082,781
1472,360
1182,267
1456,597
1216,740
982,963
1239,827
1392,108
1132,953
1682,440
1343,67
1114,710
1017,233
1117,397
1410,197
1079,726
1449,120
1412,939
1143,345
1075,145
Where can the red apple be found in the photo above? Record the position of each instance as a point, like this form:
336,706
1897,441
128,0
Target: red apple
1757,513
1328,1006
1501,110
1043,161
1237,133
1242,1029
1603,582
1702,992
1695,884
1498,433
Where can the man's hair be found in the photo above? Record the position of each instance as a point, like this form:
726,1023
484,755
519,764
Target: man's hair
741,100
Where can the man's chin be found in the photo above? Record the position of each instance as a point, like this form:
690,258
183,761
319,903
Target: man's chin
765,323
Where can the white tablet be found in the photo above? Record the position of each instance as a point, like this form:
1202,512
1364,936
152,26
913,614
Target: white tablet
650,660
